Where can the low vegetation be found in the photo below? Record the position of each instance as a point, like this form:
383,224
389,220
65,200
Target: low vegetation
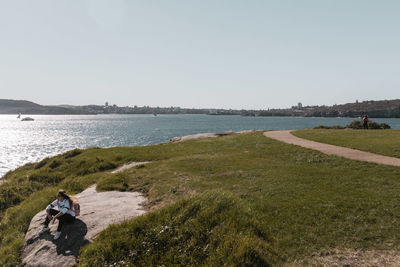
240,200
212,229
356,125
330,127
385,142
371,125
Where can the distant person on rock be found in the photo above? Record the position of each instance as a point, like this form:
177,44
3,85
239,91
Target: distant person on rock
64,214
365,121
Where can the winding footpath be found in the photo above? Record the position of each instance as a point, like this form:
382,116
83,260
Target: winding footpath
287,137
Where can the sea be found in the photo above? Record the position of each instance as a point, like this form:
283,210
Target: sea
22,142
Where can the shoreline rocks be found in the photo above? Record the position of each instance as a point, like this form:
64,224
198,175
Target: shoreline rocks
205,135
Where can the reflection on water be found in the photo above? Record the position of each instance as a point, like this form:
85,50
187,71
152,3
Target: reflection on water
31,141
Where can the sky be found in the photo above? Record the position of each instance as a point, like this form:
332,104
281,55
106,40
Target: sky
253,54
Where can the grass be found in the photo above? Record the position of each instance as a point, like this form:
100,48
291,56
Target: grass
240,200
30,188
384,142
213,229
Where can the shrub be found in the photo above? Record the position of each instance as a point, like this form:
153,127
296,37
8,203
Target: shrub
41,163
104,166
355,125
371,125
329,127
72,153
55,164
385,126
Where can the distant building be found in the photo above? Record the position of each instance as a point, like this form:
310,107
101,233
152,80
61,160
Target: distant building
106,104
299,106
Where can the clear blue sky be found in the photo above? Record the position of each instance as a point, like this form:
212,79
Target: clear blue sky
208,53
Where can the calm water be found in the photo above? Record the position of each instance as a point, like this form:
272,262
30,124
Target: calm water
23,142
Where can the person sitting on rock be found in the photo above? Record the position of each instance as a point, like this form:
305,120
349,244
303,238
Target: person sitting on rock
64,214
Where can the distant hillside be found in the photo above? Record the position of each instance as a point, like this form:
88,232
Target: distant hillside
377,109
374,109
8,106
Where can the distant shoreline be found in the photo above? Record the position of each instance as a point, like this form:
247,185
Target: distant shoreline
374,109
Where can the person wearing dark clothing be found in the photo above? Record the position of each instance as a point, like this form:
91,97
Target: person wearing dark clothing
65,218
365,122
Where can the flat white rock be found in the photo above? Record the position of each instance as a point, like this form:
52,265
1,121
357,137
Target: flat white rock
98,210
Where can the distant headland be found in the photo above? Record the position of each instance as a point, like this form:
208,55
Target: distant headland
377,109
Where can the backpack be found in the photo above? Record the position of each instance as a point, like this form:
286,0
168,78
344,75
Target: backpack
77,208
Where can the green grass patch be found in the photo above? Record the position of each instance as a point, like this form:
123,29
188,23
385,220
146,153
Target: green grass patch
384,142
239,199
212,229
28,189
302,200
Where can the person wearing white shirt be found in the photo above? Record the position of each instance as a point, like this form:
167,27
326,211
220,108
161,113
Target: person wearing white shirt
64,214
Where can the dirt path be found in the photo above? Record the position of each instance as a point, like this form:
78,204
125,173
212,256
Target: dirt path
287,137
128,166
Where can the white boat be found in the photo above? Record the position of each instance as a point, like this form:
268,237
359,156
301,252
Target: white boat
27,119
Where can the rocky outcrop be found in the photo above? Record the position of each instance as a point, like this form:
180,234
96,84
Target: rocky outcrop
98,210
205,135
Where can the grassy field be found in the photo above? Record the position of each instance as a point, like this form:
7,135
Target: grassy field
385,142
238,200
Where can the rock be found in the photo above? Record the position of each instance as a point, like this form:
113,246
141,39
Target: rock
205,135
192,137
98,210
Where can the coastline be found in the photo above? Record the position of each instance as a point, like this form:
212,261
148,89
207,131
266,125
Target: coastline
84,132
173,140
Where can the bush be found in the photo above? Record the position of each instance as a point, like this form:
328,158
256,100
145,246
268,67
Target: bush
355,125
371,125
385,126
329,127
56,163
41,163
72,153
106,166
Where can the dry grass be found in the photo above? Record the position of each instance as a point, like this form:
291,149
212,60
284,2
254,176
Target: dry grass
351,258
